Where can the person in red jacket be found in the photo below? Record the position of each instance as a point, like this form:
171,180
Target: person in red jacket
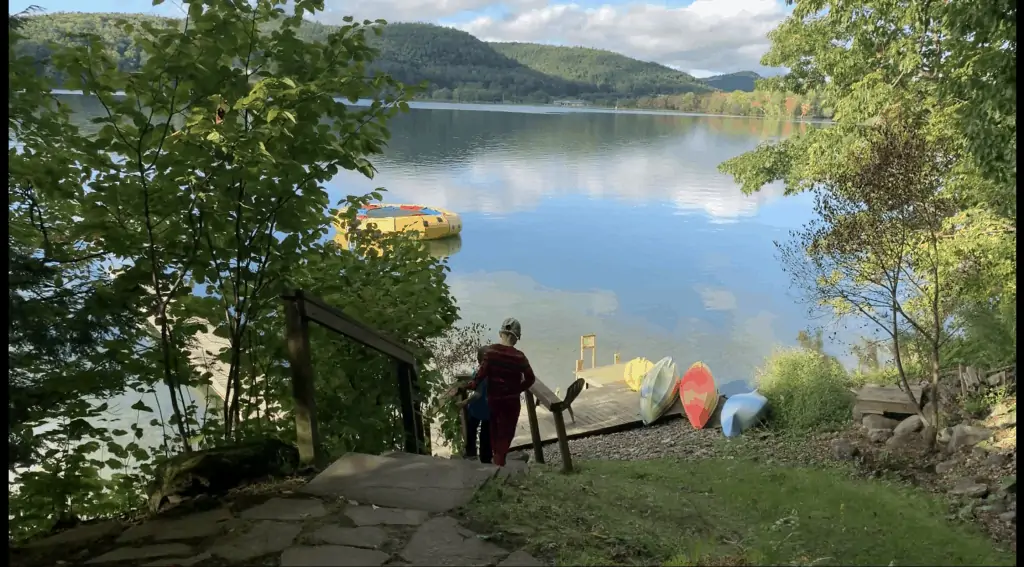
508,374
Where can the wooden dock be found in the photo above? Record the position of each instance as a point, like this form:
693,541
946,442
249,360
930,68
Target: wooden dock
609,407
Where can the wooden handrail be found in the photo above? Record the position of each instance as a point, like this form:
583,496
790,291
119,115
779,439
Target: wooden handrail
318,311
300,309
540,392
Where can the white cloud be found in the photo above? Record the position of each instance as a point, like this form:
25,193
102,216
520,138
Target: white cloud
707,36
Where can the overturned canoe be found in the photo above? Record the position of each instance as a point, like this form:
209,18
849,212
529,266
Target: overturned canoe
658,390
742,411
699,394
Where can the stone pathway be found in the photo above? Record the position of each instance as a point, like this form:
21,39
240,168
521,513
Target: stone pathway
362,510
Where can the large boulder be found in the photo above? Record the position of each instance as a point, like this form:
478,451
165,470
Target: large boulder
879,435
970,488
912,424
217,470
964,435
875,421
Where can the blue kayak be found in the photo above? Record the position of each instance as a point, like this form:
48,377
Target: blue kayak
741,412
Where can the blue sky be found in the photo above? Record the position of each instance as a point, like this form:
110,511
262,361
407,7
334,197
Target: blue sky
702,37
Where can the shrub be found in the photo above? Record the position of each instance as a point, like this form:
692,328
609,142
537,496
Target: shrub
806,390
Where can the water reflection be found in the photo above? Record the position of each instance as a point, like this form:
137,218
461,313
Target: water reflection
607,223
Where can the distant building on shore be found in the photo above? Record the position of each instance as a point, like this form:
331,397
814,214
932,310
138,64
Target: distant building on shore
572,103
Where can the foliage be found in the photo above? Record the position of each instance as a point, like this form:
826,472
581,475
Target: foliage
611,72
202,183
806,390
979,404
769,104
742,81
455,66
454,354
927,249
726,511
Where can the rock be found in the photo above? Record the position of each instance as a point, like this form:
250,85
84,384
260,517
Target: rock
520,559
286,509
996,460
137,553
373,516
331,556
912,424
843,450
1003,415
875,421
879,435
179,561
944,467
908,441
1009,517
218,470
945,434
79,535
966,512
996,507
964,435
367,536
203,524
262,538
1008,484
439,541
970,488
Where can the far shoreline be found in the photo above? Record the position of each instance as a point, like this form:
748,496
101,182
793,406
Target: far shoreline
535,108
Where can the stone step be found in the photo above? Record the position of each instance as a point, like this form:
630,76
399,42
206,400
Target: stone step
402,480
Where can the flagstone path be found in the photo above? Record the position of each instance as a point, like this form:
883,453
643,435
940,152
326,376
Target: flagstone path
365,510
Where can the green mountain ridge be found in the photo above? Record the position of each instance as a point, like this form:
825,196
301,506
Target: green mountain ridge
456,65
730,82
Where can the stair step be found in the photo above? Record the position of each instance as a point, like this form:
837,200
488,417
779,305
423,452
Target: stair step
402,480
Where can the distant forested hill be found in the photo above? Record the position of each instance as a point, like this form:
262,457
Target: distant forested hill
611,72
460,67
742,81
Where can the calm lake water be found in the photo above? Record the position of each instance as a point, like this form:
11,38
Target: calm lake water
604,222
612,223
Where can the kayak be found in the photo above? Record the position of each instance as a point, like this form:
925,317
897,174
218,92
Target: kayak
699,394
741,412
635,371
659,390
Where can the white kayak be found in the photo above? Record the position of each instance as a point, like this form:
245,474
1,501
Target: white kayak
658,390
742,411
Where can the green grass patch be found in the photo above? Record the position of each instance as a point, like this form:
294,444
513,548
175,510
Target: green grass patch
723,512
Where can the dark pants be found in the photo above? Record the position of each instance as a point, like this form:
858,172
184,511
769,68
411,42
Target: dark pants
476,427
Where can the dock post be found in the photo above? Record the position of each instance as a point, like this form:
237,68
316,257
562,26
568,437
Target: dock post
307,434
563,441
531,414
615,358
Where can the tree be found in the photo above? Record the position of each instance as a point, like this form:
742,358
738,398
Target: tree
872,60
875,252
204,185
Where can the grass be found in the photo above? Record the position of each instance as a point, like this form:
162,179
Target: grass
723,512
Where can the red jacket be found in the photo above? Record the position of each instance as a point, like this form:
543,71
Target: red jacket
507,370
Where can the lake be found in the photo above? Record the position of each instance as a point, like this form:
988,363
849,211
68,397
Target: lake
612,223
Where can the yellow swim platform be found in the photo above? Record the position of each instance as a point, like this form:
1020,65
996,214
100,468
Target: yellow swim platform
428,223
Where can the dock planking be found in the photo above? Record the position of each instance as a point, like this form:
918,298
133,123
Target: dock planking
610,407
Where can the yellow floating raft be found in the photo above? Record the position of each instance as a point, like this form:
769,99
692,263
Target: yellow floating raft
428,223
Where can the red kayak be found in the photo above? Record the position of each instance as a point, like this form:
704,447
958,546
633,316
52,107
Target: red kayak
698,394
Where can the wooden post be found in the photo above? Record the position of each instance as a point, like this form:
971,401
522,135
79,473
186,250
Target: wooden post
579,365
412,420
563,441
307,434
531,414
615,358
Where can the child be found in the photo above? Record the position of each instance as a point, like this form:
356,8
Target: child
509,374
478,417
